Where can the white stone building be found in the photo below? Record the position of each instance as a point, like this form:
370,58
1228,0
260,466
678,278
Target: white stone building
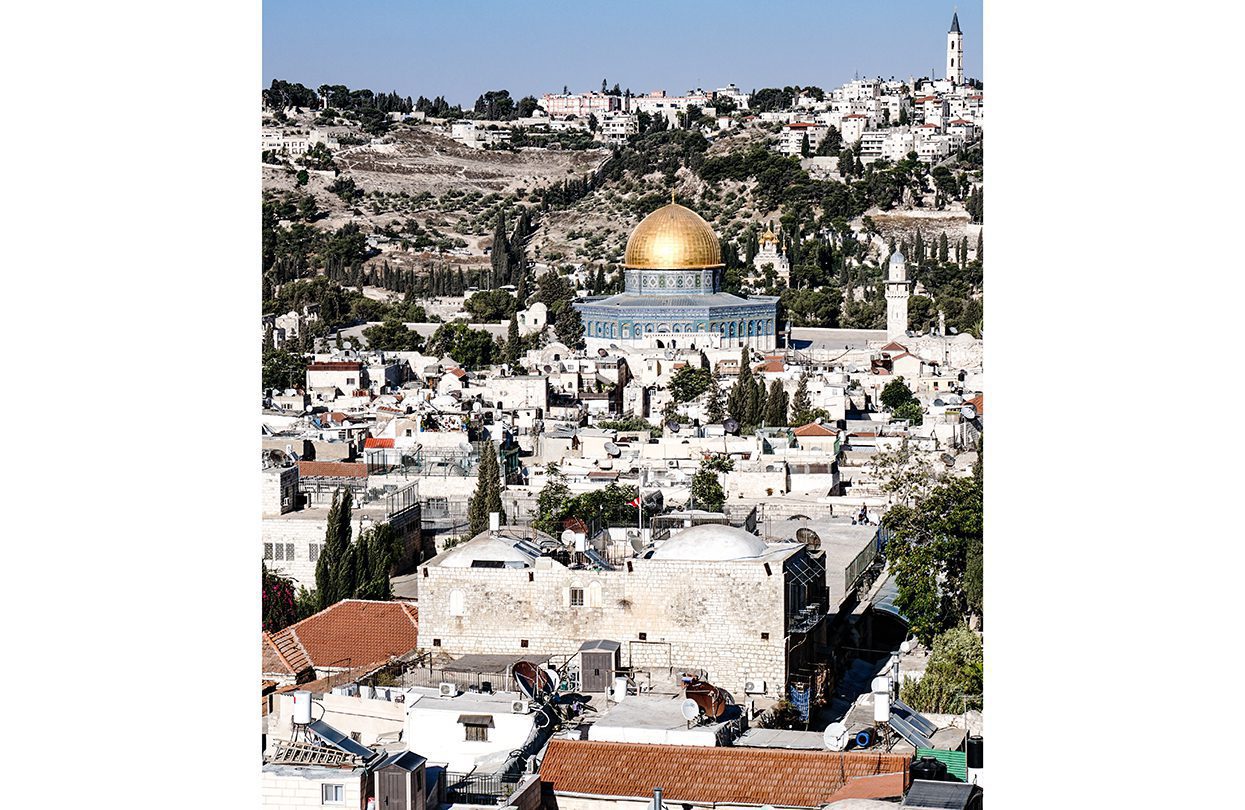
712,597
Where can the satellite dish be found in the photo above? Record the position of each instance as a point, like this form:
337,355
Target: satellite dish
730,426
906,647
554,679
672,426
690,710
636,539
968,412
835,736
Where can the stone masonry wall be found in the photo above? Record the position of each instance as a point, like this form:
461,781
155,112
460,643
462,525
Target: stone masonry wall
708,616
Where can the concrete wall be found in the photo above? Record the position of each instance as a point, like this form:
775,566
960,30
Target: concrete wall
703,615
437,735
368,716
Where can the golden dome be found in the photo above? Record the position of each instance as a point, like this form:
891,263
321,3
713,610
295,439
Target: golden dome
673,238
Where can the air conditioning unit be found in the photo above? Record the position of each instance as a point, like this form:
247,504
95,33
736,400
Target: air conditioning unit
447,689
519,706
754,686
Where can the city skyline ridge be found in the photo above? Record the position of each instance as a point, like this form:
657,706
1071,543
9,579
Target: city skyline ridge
305,43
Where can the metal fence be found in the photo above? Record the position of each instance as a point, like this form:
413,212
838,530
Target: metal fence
486,789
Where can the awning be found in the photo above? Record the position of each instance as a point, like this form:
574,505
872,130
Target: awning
476,720
885,599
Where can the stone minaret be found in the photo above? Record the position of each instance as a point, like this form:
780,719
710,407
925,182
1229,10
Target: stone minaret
896,297
955,51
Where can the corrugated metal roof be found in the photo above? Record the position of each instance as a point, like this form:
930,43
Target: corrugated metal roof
956,761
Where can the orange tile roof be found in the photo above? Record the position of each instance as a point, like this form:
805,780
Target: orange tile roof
724,775
371,442
283,654
814,429
361,630
894,346
979,403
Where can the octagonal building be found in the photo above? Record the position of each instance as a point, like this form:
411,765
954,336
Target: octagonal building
673,298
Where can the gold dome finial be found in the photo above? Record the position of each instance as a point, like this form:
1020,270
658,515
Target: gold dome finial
673,238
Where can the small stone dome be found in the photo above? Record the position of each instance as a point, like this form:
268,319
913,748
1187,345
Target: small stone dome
487,548
711,542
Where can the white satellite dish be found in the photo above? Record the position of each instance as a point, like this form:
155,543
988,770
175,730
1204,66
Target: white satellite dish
554,677
690,710
636,539
906,647
835,736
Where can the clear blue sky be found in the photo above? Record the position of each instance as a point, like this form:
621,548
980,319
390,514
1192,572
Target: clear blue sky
460,48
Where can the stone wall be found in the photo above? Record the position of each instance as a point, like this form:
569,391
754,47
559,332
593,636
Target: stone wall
708,616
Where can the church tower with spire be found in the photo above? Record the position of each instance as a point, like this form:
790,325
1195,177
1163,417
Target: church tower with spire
955,52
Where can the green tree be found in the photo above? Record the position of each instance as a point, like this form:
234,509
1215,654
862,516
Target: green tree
954,677
805,149
742,394
490,306
513,341
929,551
487,497
895,393
569,327
552,500
473,348
690,382
334,577
392,336
910,410
714,410
282,369
801,405
776,405
707,492
302,177
306,603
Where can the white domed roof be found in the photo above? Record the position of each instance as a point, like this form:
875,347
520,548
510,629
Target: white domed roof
483,547
711,542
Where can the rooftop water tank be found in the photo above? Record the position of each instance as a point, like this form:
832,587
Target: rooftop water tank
302,708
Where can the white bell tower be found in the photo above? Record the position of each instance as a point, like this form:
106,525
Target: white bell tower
955,52
896,297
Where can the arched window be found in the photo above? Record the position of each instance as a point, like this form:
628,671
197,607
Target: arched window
458,602
594,594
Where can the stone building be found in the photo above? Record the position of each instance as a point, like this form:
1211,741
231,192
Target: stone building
768,254
712,598
897,293
673,296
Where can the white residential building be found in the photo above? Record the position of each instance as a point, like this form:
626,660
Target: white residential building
792,137
615,128
580,105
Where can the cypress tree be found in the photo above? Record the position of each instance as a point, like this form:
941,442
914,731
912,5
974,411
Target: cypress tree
714,411
757,402
330,587
942,247
487,497
776,405
979,233
512,341
741,391
801,406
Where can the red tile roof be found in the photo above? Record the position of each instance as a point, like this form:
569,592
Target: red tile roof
351,633
723,775
332,469
894,346
371,442
979,403
814,429
282,654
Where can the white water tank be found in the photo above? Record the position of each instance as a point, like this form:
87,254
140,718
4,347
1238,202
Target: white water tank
620,689
882,707
367,692
302,708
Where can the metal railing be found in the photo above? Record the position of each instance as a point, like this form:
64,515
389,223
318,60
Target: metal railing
486,789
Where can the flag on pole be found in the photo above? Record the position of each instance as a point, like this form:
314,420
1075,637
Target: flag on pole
635,502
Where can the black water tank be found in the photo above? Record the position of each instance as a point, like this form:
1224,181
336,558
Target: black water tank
974,751
929,768
486,686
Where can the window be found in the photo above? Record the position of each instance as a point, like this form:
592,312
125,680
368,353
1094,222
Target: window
267,551
313,551
350,381
458,603
476,732
577,597
408,431
331,794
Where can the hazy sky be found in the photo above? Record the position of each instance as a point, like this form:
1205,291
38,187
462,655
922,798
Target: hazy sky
460,48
